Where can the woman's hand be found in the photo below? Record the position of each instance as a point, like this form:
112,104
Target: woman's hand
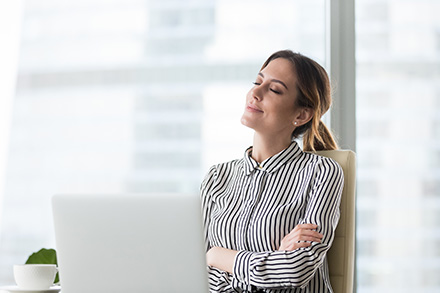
221,258
301,236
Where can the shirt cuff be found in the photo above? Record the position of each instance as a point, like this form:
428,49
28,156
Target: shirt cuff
241,266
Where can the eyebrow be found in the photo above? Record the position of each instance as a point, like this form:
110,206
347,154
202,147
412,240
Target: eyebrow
274,80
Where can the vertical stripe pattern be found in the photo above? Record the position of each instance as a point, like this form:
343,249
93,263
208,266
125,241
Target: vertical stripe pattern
250,207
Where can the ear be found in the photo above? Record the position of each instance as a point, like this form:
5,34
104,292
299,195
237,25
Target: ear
303,116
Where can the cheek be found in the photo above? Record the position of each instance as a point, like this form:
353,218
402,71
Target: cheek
286,113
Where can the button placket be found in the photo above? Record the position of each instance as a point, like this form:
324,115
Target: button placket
258,183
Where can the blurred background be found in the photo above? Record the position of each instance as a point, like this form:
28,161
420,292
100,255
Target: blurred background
121,96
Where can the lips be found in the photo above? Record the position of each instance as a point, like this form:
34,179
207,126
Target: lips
252,108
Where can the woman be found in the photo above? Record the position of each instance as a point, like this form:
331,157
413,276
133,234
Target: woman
270,217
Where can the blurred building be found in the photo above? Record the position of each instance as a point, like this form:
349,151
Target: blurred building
398,112
143,96
133,96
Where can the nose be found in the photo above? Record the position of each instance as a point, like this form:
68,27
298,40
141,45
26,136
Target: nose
257,93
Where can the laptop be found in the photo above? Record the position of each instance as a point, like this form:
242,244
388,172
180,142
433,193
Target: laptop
131,243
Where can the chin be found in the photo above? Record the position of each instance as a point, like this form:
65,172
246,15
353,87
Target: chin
246,122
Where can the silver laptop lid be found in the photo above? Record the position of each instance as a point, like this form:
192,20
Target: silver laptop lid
129,243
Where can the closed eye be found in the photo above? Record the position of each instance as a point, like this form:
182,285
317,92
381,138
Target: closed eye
272,90
275,91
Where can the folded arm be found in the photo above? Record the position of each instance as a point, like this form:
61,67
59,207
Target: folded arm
302,236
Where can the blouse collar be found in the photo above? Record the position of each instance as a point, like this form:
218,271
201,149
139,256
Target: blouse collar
272,164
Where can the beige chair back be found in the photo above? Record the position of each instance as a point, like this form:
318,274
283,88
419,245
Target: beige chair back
341,256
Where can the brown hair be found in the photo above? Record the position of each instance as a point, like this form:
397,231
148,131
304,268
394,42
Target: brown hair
313,91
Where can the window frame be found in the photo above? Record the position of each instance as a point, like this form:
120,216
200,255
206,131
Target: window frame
341,50
342,68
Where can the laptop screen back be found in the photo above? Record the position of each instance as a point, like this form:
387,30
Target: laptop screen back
129,243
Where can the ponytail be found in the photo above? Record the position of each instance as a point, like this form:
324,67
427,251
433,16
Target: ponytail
314,92
319,139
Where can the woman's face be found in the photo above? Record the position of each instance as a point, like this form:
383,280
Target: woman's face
270,104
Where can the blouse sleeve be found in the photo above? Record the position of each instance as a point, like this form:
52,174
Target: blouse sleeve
281,269
206,202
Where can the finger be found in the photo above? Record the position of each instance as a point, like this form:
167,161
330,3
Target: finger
310,238
313,237
307,226
307,235
301,231
311,233
296,245
314,234
302,244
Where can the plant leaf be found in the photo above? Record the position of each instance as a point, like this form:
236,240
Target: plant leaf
44,256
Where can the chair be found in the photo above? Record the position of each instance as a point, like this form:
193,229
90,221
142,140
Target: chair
341,255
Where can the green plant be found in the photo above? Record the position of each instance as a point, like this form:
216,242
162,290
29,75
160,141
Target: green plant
44,256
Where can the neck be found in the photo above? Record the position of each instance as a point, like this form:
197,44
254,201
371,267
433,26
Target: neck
265,146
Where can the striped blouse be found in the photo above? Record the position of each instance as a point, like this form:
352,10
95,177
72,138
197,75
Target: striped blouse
250,207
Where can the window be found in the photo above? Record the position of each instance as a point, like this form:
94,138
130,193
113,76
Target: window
397,145
140,96
134,96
